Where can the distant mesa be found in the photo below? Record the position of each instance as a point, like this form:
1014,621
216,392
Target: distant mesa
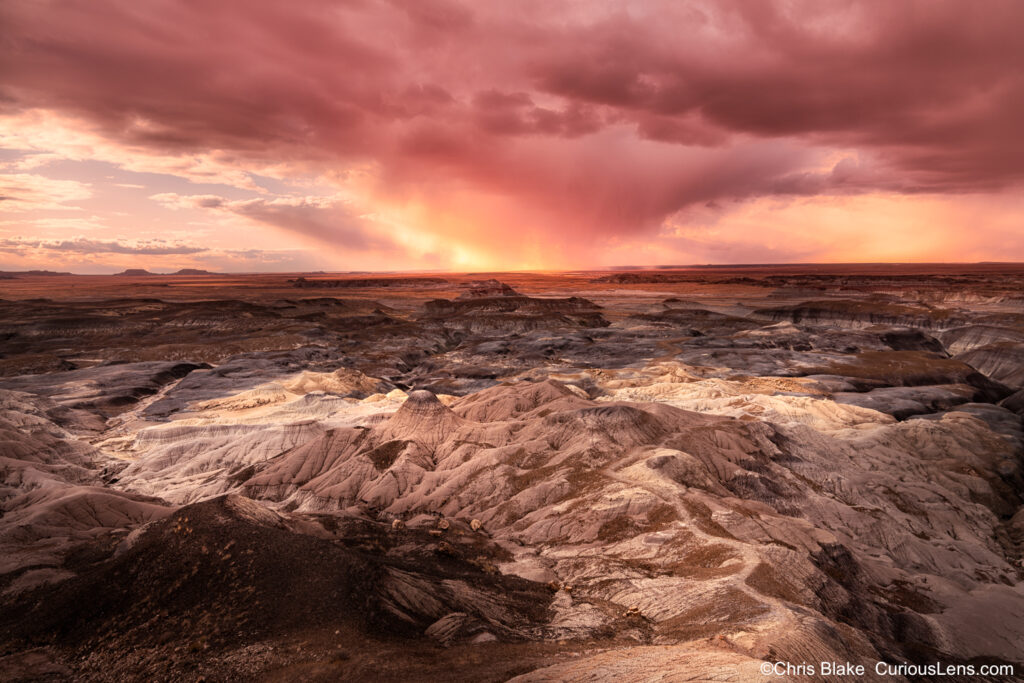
634,278
12,274
347,283
140,272
486,289
490,306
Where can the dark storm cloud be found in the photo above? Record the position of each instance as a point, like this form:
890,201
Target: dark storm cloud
603,118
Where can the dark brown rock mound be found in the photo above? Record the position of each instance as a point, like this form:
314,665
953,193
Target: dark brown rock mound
483,289
368,282
1002,362
105,389
513,313
914,369
843,312
641,278
217,575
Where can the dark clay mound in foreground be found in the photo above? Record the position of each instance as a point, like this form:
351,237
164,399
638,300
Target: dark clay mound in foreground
228,573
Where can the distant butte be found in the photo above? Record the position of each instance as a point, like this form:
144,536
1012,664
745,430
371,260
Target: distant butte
192,271
644,278
486,289
136,271
303,283
10,274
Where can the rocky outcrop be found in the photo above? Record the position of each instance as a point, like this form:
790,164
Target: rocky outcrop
143,329
1002,361
512,313
639,278
105,389
54,504
862,313
486,289
367,282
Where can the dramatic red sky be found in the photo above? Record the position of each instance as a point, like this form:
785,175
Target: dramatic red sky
450,134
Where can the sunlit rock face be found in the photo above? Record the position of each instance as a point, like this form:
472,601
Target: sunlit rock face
608,477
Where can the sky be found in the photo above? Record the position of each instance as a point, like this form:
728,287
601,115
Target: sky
364,135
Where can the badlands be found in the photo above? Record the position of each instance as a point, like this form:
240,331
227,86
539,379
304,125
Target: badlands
670,474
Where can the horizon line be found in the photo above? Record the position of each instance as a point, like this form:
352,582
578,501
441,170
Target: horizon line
44,272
